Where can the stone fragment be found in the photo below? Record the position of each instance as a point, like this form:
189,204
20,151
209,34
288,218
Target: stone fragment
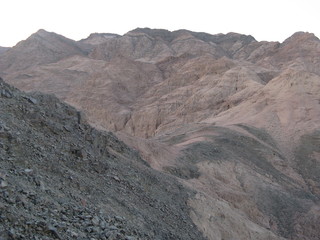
6,93
28,170
32,100
95,221
3,184
54,231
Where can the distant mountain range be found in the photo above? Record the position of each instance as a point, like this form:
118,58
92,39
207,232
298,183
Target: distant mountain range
233,119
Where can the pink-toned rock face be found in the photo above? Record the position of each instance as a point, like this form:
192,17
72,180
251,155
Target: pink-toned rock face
235,119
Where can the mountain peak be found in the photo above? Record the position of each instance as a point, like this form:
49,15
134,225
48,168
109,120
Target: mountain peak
43,33
106,35
98,38
42,47
149,30
301,37
155,33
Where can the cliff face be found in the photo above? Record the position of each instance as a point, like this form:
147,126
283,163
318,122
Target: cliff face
234,119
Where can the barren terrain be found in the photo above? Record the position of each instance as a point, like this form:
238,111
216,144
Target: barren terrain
231,121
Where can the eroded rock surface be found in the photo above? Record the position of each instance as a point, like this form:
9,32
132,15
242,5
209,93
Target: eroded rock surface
234,120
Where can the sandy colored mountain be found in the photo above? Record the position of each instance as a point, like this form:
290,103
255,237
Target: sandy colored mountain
235,119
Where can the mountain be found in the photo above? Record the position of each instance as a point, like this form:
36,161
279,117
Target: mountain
3,50
155,45
41,47
233,119
98,38
62,179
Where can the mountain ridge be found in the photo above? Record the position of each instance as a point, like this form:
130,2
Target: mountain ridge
61,178
233,119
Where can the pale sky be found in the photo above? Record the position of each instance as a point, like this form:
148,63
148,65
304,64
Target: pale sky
271,20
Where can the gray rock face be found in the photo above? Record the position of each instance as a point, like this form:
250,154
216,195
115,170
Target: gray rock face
77,182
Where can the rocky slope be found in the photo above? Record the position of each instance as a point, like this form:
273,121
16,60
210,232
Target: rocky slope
62,179
233,119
